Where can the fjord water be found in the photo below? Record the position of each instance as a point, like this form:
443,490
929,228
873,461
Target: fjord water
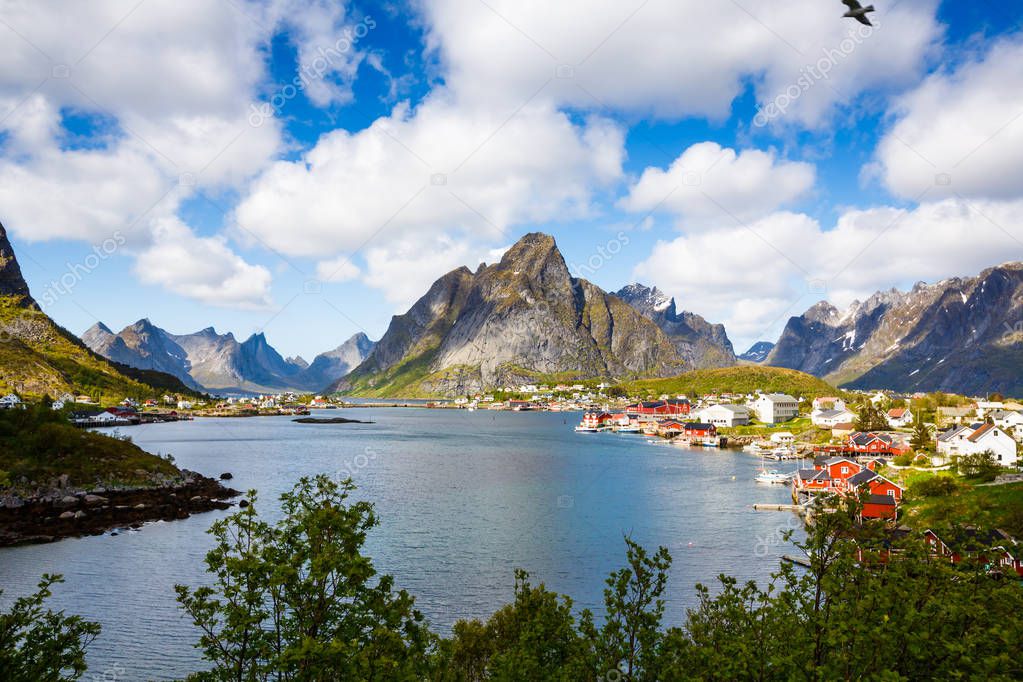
464,499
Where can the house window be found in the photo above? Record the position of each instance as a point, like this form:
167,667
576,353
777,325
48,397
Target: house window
845,470
891,493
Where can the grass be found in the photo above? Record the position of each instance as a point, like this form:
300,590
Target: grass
38,357
39,445
738,379
994,506
796,427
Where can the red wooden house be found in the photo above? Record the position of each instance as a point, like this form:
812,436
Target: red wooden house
841,475
699,430
995,547
672,408
596,420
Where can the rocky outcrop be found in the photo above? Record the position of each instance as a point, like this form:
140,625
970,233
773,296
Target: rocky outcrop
60,512
520,319
12,284
700,344
962,334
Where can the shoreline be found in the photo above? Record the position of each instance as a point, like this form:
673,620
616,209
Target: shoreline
62,513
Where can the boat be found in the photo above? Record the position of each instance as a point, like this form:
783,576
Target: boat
772,476
631,428
781,453
587,429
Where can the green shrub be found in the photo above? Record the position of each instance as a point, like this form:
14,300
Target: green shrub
935,486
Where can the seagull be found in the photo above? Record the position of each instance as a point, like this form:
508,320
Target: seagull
858,11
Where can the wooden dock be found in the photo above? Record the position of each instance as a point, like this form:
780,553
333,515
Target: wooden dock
779,507
798,560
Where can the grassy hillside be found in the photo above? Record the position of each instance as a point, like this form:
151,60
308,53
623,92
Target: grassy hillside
37,357
739,379
40,445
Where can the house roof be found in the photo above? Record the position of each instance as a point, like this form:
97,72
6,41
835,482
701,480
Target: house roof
843,426
778,398
980,432
698,426
897,412
971,539
864,476
881,499
814,475
831,414
951,433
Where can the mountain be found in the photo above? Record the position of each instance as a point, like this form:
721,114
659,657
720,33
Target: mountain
38,357
522,319
701,345
758,352
963,335
218,362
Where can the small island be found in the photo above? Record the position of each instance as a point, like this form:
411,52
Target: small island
329,420
58,481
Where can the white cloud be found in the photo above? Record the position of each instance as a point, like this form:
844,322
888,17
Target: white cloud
966,123
752,279
707,183
339,269
442,169
671,58
202,268
176,82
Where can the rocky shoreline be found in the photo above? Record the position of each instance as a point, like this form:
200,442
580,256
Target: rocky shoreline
62,511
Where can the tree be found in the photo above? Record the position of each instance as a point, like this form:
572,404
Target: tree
921,439
871,418
634,607
38,644
981,466
298,601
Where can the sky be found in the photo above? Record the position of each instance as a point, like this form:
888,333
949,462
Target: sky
307,169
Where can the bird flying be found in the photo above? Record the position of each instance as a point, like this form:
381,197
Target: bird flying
858,11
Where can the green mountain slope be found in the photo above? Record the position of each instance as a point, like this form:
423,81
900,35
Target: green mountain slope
741,379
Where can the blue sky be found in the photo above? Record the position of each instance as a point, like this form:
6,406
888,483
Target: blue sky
209,193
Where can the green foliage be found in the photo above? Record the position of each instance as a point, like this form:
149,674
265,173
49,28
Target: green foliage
37,644
922,439
935,486
298,601
980,466
738,379
39,444
903,460
870,418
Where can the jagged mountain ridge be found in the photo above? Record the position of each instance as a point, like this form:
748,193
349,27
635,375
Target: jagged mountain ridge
758,352
514,321
213,361
38,357
963,334
700,344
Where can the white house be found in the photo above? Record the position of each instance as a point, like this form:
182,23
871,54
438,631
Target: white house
831,418
1009,421
774,408
783,438
977,438
9,402
899,417
985,406
723,415
828,403
184,405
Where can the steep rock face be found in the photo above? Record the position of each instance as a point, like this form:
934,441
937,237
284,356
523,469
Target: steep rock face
12,284
758,352
143,346
961,334
326,368
38,357
523,317
700,344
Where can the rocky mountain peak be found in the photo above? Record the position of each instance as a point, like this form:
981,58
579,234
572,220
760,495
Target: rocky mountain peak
12,283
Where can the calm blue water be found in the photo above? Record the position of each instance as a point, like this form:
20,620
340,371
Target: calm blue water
465,498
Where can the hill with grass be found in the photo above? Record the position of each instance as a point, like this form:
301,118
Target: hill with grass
741,379
38,357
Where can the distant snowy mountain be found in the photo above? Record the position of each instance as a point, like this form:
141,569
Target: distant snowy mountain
700,344
961,334
758,352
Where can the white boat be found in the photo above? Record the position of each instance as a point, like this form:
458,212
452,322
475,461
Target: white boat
586,429
772,476
631,428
